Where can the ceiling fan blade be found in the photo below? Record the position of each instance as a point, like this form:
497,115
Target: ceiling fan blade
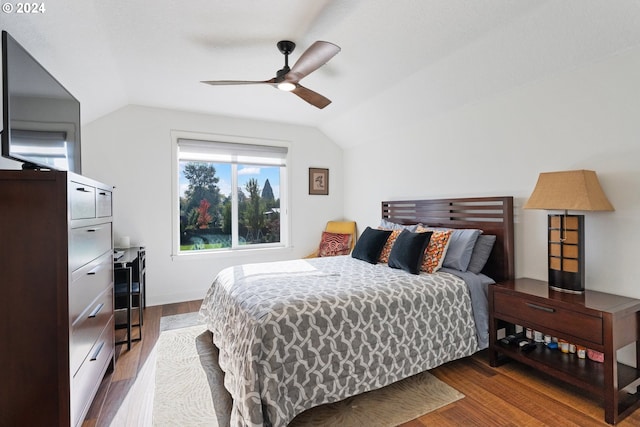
238,82
311,97
313,58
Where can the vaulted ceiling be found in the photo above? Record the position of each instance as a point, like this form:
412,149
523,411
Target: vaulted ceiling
443,53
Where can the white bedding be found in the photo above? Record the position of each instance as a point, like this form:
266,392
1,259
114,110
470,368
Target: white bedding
297,334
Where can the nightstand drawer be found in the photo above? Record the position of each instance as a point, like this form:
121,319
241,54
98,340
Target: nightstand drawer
546,315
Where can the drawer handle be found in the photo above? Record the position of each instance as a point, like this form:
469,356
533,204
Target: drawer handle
92,230
82,189
102,193
93,271
96,353
540,307
96,310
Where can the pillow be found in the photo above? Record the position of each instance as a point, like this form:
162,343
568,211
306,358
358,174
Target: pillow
388,225
386,249
481,252
460,247
436,249
370,244
408,251
333,244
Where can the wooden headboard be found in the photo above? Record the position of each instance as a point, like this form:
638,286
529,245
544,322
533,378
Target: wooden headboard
492,215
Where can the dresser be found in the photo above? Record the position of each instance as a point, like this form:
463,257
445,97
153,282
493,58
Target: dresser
56,296
595,320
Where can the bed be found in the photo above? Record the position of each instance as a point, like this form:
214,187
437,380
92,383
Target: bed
296,334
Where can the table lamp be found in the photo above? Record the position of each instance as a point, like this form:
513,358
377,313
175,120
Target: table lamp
577,190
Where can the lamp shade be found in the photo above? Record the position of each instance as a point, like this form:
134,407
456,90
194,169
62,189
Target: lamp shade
577,190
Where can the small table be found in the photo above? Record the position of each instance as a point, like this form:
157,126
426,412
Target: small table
129,269
126,258
129,255
596,320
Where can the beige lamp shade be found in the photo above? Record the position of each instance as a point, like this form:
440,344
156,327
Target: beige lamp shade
577,190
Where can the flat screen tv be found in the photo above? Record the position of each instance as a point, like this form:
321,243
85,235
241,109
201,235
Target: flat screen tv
41,118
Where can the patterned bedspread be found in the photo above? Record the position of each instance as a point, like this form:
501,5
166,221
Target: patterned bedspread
296,334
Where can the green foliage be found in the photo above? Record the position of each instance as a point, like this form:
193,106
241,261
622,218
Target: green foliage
192,220
202,186
254,213
226,216
201,175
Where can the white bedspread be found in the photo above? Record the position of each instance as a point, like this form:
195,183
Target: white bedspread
297,334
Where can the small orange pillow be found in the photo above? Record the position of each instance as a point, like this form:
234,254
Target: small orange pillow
333,244
436,250
386,250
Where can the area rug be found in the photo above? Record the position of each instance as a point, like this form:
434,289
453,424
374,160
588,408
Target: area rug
178,321
189,391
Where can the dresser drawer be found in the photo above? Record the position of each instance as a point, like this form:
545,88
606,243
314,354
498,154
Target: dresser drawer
546,315
87,283
88,243
83,200
103,203
86,381
88,327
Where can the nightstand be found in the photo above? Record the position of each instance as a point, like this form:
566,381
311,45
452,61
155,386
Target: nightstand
595,320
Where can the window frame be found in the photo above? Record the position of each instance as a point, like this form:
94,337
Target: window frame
285,191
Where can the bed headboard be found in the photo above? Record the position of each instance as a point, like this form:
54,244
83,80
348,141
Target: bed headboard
492,215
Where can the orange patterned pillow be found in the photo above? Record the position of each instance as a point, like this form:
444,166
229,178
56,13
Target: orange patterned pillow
333,244
386,250
436,250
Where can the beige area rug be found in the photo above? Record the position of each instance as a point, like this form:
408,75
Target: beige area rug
189,391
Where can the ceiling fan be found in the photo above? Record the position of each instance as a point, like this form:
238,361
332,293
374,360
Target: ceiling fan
287,79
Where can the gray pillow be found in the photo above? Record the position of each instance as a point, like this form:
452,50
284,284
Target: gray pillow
388,225
481,252
460,247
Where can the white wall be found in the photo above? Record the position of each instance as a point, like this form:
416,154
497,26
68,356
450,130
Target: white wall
131,150
582,119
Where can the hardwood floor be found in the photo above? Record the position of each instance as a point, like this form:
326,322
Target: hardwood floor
512,395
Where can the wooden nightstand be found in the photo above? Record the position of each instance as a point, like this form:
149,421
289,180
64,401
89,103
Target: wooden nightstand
596,320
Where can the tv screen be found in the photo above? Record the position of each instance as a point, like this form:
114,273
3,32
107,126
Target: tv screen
41,118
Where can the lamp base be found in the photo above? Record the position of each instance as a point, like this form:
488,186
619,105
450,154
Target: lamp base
566,281
568,291
566,253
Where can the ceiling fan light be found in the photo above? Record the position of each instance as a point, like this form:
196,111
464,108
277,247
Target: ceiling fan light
286,86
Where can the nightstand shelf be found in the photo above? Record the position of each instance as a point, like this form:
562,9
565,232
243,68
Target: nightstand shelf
596,320
583,373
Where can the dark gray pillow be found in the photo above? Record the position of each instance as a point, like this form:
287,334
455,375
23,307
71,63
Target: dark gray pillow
408,251
370,244
481,252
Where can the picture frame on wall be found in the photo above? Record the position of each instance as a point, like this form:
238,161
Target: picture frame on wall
319,181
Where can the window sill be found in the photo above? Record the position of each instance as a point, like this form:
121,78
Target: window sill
249,253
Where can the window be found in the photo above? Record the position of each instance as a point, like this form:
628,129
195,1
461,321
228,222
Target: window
230,196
